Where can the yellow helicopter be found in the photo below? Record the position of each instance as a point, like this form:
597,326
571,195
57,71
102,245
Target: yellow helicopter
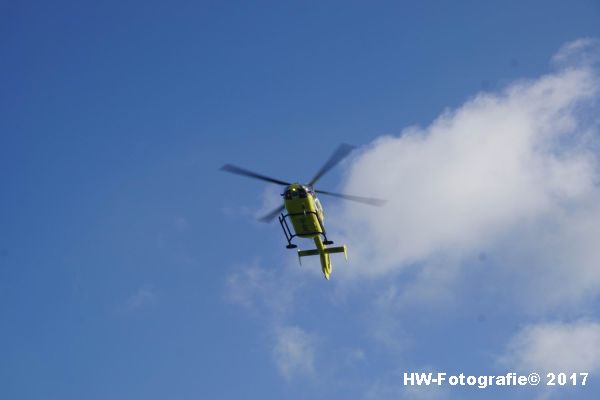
305,211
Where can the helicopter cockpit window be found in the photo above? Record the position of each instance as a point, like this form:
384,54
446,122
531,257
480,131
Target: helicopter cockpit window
302,192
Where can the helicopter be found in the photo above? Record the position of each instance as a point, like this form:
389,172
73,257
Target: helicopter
305,211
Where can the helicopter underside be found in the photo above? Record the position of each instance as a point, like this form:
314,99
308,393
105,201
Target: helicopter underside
307,220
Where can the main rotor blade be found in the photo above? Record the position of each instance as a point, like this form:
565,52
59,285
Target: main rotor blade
241,171
342,151
272,214
365,200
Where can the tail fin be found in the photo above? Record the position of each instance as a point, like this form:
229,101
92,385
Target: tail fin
316,252
339,249
323,252
306,253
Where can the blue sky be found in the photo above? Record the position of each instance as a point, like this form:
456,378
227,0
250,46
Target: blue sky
130,267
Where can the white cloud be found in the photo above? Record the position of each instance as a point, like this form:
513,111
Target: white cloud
473,173
270,292
271,295
555,347
581,51
498,174
553,265
294,351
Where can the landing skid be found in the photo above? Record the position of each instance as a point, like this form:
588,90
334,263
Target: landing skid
289,235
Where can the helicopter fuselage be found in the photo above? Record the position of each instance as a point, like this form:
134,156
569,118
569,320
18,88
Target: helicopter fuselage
306,214
305,210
